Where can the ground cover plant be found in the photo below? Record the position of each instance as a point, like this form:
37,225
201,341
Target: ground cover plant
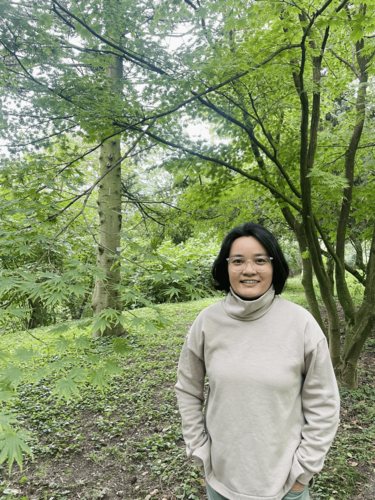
125,440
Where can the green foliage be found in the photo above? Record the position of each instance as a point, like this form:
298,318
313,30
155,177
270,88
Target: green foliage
12,441
176,274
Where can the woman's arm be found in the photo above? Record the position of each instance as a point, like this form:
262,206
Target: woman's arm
190,394
321,406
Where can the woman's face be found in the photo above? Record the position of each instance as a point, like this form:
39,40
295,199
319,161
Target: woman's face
249,283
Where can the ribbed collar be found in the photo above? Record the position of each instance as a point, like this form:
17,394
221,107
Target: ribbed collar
248,310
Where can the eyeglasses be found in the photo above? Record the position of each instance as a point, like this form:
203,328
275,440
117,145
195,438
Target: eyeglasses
239,264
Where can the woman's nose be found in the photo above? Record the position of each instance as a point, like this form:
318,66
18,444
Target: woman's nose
251,267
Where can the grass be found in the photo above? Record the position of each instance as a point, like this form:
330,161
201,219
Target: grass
126,441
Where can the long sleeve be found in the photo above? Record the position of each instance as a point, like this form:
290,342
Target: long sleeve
190,394
320,405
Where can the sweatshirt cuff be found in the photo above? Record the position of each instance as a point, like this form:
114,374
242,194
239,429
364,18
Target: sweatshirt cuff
299,473
306,478
190,451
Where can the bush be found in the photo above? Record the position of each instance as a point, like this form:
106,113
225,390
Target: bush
176,273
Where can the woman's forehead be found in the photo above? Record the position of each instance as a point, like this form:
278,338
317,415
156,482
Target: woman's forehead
246,245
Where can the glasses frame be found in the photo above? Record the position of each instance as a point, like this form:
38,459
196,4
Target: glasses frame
251,262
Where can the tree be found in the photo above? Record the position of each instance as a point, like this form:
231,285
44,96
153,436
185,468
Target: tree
258,72
106,293
325,61
63,87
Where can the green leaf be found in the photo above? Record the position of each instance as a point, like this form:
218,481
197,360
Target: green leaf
62,345
24,355
121,346
4,356
78,374
37,375
56,365
94,359
60,329
6,419
99,324
12,444
13,375
150,327
19,312
99,378
112,368
137,321
82,343
6,395
66,387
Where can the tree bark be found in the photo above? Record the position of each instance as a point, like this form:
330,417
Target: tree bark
307,155
307,268
330,265
106,294
38,313
357,332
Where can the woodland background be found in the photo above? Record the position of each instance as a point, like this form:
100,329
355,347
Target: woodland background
134,136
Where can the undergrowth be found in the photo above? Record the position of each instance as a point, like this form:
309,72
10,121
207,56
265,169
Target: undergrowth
128,436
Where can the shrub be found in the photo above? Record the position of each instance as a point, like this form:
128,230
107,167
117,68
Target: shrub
177,273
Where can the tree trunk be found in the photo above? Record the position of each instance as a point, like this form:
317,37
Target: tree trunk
106,294
330,265
358,330
307,268
38,313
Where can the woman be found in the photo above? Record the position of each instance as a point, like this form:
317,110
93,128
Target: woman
273,404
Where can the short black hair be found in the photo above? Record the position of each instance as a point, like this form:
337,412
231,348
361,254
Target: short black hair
267,240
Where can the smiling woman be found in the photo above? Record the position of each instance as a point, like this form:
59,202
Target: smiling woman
249,268
268,265
272,409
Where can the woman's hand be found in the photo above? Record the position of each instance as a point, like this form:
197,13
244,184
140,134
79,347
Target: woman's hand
297,486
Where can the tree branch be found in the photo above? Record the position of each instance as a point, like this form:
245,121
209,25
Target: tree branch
347,63
229,166
252,137
130,57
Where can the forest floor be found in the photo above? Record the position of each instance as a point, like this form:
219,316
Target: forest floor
126,442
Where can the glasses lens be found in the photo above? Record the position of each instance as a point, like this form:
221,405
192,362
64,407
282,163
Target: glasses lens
238,264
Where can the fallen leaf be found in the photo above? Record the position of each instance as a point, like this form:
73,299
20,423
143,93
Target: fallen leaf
144,473
136,488
202,481
153,493
354,464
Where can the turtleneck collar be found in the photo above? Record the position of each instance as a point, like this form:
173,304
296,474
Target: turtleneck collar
248,310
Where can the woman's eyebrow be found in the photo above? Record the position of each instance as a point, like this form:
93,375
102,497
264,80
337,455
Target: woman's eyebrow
255,255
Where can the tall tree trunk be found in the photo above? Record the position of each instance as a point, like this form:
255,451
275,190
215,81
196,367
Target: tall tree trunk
307,269
357,332
106,294
308,146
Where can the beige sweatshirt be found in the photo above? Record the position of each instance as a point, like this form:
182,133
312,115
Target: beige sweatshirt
273,405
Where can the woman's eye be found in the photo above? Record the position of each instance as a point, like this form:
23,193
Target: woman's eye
238,262
260,261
